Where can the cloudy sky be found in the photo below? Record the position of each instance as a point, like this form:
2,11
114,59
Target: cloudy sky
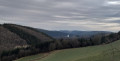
85,15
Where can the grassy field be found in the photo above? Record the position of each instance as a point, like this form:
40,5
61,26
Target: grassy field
109,52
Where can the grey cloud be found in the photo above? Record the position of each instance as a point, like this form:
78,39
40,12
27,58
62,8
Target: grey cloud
45,14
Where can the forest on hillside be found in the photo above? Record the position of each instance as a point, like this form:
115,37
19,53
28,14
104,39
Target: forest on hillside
37,45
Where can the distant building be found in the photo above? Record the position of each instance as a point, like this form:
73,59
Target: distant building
68,36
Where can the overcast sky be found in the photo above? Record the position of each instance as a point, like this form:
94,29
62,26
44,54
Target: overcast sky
88,15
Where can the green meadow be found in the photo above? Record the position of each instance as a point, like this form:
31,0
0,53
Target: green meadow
107,52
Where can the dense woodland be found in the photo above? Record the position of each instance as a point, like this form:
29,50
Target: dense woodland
37,45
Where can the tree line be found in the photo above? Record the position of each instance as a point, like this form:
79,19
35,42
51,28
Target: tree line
38,46
63,43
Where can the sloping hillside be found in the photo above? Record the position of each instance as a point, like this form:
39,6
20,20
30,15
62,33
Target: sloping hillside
30,41
9,40
109,52
12,35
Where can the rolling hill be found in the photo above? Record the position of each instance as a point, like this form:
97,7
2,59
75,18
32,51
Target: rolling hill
12,36
108,52
54,34
72,34
84,33
19,41
8,39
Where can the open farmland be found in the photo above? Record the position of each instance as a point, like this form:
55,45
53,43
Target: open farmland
109,52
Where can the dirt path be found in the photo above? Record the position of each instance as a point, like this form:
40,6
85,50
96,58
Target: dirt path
45,55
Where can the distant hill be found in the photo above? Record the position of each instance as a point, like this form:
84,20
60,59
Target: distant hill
84,33
55,34
12,36
18,41
66,33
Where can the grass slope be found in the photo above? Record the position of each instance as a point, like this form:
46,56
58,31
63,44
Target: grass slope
109,52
